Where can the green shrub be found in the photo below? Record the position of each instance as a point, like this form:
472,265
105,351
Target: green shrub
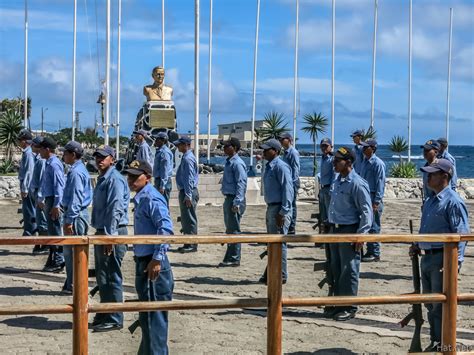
404,170
6,166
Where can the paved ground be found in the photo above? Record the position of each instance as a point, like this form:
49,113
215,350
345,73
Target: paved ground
375,330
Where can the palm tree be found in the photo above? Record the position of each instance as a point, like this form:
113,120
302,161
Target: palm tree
273,126
10,127
398,145
371,133
315,123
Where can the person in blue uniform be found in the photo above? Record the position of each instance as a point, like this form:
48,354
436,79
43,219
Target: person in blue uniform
350,211
76,198
278,191
187,178
430,153
359,154
144,151
327,176
292,158
25,175
163,166
373,171
443,212
51,195
444,154
109,217
153,275
234,187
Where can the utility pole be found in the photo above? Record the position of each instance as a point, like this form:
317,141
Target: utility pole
43,110
77,120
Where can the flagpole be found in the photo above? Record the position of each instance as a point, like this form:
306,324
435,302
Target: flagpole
332,68
74,71
25,84
117,123
448,90
374,56
163,33
209,94
196,81
297,25
409,78
107,76
254,94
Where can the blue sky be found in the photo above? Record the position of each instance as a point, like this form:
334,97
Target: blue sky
50,53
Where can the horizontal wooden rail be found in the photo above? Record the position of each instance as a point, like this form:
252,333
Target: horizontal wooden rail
466,297
6,310
73,240
467,238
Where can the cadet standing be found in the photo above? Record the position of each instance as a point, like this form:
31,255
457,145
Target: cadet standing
430,153
373,171
359,154
25,175
292,158
278,193
153,275
163,166
144,151
187,177
444,212
77,197
350,211
51,195
109,217
444,154
327,177
234,187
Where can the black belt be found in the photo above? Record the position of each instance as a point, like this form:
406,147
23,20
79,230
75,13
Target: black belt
229,195
433,251
337,225
323,186
274,204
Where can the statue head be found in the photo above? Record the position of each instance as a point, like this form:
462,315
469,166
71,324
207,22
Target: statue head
158,74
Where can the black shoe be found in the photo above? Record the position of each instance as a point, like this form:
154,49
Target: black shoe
96,321
54,268
66,291
344,315
329,312
229,264
36,250
263,280
433,347
106,327
184,250
369,258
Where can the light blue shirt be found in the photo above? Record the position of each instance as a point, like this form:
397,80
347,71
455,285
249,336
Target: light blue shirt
327,174
234,181
25,173
350,202
187,175
151,217
110,202
163,166
359,153
52,182
144,153
373,171
77,192
292,158
454,178
37,175
445,212
278,185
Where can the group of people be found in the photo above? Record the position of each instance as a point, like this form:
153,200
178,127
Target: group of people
352,185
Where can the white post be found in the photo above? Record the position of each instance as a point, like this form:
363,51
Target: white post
449,71
117,123
196,81
332,69
295,108
209,86
163,33
25,103
107,76
74,72
409,78
255,58
374,55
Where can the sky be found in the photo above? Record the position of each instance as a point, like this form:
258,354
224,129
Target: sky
51,50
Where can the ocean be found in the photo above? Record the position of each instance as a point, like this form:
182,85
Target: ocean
464,158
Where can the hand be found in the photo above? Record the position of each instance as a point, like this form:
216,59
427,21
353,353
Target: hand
153,269
108,250
67,229
375,207
41,205
358,246
188,202
280,220
414,250
235,209
54,213
24,195
162,191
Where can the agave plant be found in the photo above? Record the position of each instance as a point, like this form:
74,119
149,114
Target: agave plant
10,126
274,125
404,170
371,133
315,123
398,145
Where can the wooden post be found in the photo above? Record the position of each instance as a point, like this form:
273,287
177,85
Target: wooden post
80,317
274,292
450,289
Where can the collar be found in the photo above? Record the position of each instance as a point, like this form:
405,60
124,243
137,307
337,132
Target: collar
444,193
349,176
76,164
139,195
273,162
107,173
26,149
189,151
234,157
51,158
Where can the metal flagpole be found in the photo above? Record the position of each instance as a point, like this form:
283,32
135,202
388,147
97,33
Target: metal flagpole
409,78
117,123
107,76
448,90
209,87
255,57
74,72
196,81
163,33
25,103
297,26
374,55
332,69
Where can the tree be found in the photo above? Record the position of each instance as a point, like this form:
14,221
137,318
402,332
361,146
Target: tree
16,105
315,123
10,127
371,133
273,126
398,145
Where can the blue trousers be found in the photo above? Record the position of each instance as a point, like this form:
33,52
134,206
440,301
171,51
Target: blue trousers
29,215
154,324
109,277
80,226
432,282
272,228
324,200
189,221
168,187
373,248
55,228
232,226
292,226
345,265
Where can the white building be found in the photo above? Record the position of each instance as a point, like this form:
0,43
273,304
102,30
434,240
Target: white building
240,130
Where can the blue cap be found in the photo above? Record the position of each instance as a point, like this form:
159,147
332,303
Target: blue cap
104,150
138,167
37,140
439,165
141,132
369,143
431,144
182,140
357,132
345,153
325,141
285,135
271,144
73,147
25,135
442,141
160,135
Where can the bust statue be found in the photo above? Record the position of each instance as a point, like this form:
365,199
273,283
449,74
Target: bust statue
158,91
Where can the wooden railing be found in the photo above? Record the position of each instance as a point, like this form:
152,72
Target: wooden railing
274,302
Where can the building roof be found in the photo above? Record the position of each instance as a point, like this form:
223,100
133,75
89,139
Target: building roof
239,122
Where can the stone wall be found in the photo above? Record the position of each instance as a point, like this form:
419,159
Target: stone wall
9,187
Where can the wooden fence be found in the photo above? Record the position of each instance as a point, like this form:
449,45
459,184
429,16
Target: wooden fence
274,302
